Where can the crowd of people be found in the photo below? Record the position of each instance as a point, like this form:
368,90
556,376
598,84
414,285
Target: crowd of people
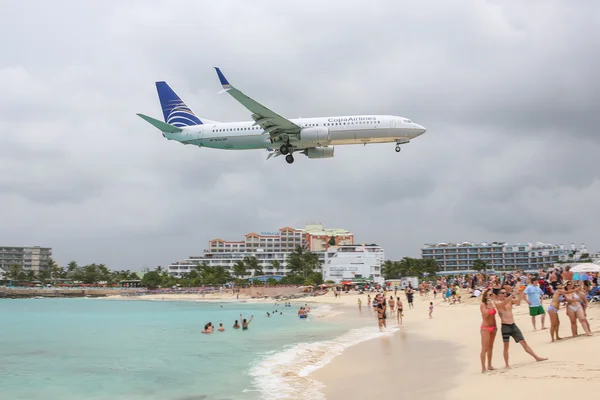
381,304
499,293
209,328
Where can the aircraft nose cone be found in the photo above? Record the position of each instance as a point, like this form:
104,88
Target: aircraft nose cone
419,130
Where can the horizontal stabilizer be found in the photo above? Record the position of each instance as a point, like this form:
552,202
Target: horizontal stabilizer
164,127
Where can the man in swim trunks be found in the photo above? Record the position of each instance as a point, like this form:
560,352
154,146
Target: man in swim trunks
504,305
534,297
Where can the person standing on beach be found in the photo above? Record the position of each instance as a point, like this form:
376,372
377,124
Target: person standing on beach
430,309
381,316
392,304
399,309
504,305
533,297
359,305
553,312
488,329
409,297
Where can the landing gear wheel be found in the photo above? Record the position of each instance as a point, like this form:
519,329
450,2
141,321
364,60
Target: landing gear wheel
398,149
284,149
289,158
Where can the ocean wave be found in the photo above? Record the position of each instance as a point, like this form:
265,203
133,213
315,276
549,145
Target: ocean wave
286,374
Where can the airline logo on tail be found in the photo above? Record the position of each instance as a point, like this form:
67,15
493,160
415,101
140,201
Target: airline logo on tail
175,111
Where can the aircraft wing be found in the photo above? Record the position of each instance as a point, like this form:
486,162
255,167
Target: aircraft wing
273,123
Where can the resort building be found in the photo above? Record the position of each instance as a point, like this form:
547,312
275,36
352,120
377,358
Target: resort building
354,262
267,247
499,256
30,258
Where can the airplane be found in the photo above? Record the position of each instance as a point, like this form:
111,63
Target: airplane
313,137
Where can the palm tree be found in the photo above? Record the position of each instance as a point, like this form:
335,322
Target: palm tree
429,265
72,266
251,263
390,269
409,267
239,269
276,265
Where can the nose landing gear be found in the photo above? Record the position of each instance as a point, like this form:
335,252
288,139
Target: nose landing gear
399,142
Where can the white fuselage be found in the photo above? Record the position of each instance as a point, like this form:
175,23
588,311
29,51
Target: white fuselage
342,130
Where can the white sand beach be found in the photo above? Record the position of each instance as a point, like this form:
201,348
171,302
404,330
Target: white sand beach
572,366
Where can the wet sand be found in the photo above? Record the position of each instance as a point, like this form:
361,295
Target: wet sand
403,365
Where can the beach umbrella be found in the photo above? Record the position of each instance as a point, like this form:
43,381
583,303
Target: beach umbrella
585,267
575,276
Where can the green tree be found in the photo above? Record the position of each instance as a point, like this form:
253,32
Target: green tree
251,264
53,269
429,266
479,265
72,266
15,272
30,275
302,262
44,275
151,280
276,265
332,240
390,270
410,267
239,269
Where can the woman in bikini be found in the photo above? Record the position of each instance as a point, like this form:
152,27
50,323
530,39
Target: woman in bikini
574,308
392,303
553,312
488,330
399,309
380,315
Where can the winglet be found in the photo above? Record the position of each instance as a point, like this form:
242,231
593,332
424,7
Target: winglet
223,80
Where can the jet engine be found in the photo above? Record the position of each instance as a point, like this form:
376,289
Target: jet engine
318,135
320,152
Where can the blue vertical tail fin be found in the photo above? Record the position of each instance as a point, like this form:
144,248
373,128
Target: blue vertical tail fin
175,111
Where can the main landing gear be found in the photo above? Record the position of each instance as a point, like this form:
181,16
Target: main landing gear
398,148
287,151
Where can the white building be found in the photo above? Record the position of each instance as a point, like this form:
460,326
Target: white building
29,258
353,262
269,248
499,256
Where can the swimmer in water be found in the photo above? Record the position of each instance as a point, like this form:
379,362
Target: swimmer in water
221,329
236,325
246,323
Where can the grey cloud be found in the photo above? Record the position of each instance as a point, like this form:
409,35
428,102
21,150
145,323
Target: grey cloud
507,91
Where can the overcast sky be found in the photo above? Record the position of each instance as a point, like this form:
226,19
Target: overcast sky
508,90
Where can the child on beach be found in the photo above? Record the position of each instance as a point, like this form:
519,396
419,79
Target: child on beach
430,309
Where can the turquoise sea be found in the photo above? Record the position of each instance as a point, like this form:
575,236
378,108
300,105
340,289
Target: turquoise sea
128,350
